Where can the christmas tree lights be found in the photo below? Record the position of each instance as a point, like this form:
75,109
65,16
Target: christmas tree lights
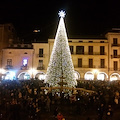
60,63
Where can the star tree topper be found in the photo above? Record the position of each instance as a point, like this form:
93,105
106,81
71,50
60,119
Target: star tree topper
62,13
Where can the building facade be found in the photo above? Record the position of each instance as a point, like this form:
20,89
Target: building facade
7,35
93,59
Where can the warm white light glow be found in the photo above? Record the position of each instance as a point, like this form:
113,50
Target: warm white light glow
89,76
101,77
32,71
10,75
2,71
61,14
113,78
41,77
95,71
77,75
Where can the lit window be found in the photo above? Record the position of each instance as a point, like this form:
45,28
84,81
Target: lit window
25,62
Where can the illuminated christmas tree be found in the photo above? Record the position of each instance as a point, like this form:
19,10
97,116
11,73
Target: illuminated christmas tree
60,61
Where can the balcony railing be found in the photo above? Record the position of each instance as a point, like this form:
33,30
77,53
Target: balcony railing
102,67
41,68
115,56
114,69
89,53
24,67
87,66
113,45
40,55
8,67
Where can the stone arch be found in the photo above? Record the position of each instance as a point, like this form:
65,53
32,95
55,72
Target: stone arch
114,76
77,75
102,76
89,76
24,76
40,76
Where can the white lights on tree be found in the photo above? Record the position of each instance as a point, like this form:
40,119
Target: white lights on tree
62,13
60,63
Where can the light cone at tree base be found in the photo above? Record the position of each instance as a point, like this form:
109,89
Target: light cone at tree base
60,61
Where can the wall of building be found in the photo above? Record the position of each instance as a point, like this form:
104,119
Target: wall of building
7,35
17,55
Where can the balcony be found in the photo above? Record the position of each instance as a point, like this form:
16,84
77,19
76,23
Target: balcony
40,55
114,69
115,56
8,67
41,68
94,66
24,68
102,67
85,66
89,53
115,45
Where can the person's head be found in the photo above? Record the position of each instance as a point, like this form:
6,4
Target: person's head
59,113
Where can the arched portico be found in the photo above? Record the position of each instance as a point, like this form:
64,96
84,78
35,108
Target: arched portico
77,75
24,76
9,75
102,76
40,76
89,76
114,76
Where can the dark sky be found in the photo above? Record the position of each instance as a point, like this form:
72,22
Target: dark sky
83,17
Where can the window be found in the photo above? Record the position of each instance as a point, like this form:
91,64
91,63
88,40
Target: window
26,46
102,63
80,41
115,53
79,49
79,62
71,49
90,50
102,50
40,64
25,53
40,52
25,62
90,63
9,62
101,41
115,41
90,41
115,63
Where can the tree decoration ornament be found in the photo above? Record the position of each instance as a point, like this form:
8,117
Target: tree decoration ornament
62,13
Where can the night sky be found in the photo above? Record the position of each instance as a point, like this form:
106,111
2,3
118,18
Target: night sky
83,17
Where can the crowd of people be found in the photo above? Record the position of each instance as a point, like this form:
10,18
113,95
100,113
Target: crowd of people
24,100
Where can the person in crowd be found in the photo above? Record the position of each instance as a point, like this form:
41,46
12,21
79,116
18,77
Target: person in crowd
60,116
